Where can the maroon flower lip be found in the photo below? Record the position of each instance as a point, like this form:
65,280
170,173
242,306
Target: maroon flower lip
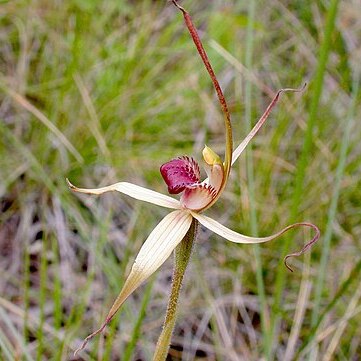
180,173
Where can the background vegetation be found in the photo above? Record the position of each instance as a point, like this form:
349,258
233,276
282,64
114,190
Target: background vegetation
101,91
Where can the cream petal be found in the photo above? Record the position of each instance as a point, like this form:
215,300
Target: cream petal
233,236
134,191
238,151
240,238
227,233
154,252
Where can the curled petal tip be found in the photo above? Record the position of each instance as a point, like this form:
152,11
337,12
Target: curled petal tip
178,6
70,185
88,338
82,347
294,90
307,246
286,263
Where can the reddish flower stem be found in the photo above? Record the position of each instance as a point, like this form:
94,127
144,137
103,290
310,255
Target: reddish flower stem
198,43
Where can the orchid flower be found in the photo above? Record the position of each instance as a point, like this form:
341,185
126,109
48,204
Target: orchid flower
182,176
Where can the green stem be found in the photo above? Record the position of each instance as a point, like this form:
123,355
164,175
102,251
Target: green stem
181,259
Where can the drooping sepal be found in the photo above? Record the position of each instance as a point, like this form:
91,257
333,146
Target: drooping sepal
156,249
233,236
180,173
131,190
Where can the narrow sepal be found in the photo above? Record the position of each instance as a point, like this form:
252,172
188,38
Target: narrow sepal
156,249
238,151
134,191
233,236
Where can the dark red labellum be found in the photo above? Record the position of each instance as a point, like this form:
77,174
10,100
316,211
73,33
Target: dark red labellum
180,173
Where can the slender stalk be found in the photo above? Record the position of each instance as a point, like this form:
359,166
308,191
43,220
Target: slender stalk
222,100
251,183
42,299
181,259
26,294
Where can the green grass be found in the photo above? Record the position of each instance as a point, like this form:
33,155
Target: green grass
302,164
106,91
248,60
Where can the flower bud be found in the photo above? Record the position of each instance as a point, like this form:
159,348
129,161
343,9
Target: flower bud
211,157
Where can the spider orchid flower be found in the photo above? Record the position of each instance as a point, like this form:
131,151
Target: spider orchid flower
182,176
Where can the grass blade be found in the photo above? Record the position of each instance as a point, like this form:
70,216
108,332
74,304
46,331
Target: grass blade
333,206
317,88
250,179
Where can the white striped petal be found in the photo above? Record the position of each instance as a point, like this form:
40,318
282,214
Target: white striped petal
154,252
233,236
134,191
238,151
